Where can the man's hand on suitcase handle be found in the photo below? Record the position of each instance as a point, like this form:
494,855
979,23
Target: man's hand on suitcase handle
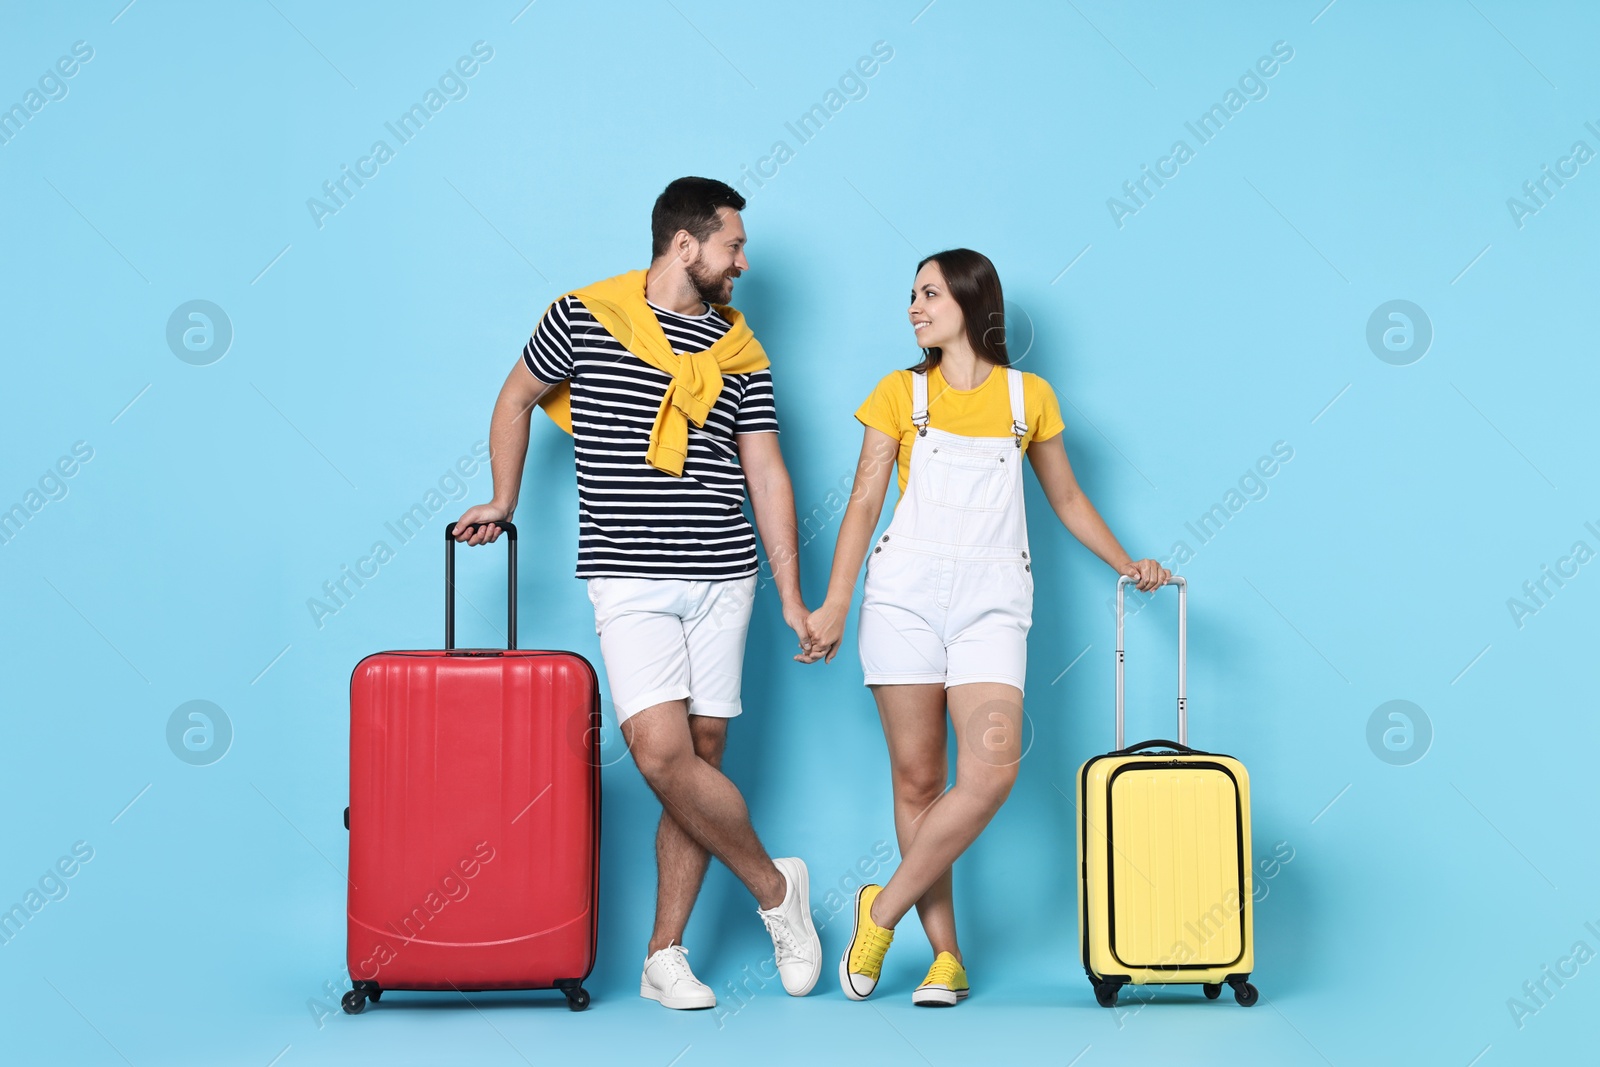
477,525
1146,574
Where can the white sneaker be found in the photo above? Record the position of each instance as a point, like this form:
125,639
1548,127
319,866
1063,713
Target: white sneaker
795,945
668,980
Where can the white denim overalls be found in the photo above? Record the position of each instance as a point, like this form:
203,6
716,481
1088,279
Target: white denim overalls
949,589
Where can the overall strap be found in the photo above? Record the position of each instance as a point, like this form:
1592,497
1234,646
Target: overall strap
919,401
1019,417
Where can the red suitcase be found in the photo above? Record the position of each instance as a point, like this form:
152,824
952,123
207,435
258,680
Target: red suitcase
474,815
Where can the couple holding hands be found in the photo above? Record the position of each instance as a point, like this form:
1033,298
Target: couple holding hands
669,399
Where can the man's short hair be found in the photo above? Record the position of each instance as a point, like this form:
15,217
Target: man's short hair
690,204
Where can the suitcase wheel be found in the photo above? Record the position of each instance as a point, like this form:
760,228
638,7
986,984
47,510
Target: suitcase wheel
1105,990
355,1001
577,996
1245,994
1212,990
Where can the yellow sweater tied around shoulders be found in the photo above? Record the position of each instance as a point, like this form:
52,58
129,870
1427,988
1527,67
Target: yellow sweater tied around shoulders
619,305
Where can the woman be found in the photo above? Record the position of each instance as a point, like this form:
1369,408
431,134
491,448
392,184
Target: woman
949,594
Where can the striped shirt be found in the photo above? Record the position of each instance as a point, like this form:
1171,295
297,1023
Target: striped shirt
635,521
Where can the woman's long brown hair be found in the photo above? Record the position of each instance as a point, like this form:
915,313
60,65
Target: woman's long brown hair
975,285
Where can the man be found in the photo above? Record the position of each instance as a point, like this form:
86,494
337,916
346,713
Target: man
669,401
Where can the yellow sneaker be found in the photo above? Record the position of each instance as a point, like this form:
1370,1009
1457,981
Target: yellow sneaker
945,986
863,959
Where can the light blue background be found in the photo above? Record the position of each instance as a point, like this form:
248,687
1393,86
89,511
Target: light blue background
1227,314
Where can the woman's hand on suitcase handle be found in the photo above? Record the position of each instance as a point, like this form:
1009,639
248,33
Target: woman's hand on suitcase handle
1147,574
484,517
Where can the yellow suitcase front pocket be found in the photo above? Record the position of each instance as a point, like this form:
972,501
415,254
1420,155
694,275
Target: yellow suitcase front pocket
1177,878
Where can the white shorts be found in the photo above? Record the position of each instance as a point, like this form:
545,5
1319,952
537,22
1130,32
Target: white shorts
672,639
927,618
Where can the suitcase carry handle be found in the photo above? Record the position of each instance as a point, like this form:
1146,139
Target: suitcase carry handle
1123,581
1183,750
450,582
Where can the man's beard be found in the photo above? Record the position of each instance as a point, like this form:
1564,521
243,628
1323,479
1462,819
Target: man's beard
713,287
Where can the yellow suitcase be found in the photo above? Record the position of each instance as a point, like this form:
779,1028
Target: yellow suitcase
1164,892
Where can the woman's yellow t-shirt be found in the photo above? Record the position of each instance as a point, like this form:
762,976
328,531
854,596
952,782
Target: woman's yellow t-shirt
981,412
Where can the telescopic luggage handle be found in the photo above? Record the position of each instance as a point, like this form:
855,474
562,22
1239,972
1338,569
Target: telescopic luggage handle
1183,595
511,582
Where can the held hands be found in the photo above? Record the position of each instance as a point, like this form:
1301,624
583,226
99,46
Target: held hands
824,629
797,618
1147,574
813,628
484,516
